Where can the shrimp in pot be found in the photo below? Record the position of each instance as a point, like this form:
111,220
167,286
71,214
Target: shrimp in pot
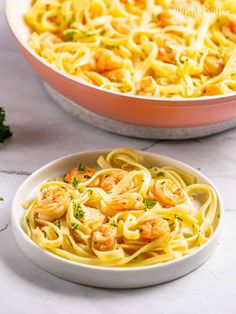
213,65
153,229
211,90
103,237
166,54
81,175
106,60
117,76
147,86
229,30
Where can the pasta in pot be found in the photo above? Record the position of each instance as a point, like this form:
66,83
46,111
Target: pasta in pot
140,216
168,48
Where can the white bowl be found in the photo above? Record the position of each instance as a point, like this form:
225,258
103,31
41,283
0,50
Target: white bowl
132,277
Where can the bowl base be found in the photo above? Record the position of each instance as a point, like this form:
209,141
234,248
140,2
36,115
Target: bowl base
121,128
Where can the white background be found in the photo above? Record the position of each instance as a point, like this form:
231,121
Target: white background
43,132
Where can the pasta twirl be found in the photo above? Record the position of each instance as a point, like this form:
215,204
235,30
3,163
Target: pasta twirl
122,214
168,48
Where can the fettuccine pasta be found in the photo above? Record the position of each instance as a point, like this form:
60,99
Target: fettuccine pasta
161,48
122,214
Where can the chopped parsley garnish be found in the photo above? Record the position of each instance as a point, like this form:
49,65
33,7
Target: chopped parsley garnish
114,224
74,226
71,21
81,167
161,174
1,199
140,228
148,204
79,213
163,182
76,206
27,219
5,130
75,182
90,192
69,35
57,223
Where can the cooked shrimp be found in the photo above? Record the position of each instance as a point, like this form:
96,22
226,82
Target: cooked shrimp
106,60
211,90
229,30
213,65
153,229
81,176
167,193
117,75
53,205
110,180
124,203
166,54
104,237
147,86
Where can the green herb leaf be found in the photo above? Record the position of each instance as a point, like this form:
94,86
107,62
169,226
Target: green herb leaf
74,226
161,174
57,223
1,199
79,214
71,21
76,206
81,167
114,224
69,35
148,204
75,182
140,228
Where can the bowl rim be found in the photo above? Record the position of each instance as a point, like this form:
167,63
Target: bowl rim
171,101
16,223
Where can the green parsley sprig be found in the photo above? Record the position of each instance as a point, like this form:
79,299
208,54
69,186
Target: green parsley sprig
149,204
75,182
57,223
74,226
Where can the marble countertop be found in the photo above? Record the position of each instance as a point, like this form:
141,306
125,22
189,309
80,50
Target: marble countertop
43,132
